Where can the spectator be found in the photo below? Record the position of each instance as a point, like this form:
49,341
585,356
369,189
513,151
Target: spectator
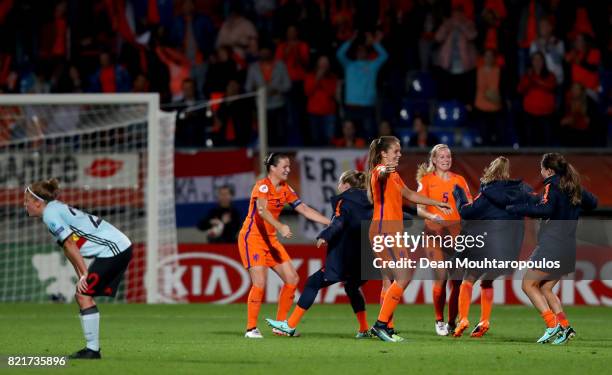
110,77
295,54
578,122
68,79
190,124
222,223
234,120
422,137
493,15
385,129
195,33
528,31
320,88
221,70
457,56
584,61
488,103
141,83
360,76
237,31
274,77
538,90
179,67
551,47
349,137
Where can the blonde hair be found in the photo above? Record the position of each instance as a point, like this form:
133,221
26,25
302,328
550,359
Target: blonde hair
429,167
377,146
498,169
354,178
48,190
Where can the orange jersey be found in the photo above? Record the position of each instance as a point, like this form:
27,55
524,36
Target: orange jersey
277,199
387,195
434,187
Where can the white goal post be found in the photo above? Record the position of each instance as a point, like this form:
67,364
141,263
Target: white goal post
95,117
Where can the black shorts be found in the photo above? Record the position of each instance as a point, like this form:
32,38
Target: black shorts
106,273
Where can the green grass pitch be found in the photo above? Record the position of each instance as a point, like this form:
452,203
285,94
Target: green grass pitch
208,339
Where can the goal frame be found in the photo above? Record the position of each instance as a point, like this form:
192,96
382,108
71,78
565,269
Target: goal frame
151,194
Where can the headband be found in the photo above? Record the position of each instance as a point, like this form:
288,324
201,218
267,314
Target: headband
28,190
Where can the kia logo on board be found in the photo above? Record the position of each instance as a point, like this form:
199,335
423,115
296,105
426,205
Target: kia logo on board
103,168
202,277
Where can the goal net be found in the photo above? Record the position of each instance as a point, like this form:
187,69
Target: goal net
114,157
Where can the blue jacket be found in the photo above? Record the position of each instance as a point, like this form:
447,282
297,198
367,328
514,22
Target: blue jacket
360,76
557,234
554,204
122,80
343,235
487,214
203,31
492,200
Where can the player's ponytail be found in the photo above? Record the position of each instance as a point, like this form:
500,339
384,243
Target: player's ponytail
46,190
569,179
429,167
377,146
354,178
498,170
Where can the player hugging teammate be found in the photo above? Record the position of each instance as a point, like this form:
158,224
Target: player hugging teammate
83,235
560,206
342,264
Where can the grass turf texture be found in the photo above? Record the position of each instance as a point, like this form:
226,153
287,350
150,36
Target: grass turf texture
206,339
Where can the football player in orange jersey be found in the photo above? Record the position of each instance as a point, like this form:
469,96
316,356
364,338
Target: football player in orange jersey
258,244
436,181
386,190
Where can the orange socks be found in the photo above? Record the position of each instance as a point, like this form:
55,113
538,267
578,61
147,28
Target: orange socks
392,299
453,301
253,306
361,318
465,298
383,292
439,299
296,316
549,318
285,300
486,302
562,319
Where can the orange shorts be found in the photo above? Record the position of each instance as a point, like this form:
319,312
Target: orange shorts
256,250
386,228
444,229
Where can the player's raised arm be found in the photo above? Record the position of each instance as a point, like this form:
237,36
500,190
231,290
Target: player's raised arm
262,210
312,214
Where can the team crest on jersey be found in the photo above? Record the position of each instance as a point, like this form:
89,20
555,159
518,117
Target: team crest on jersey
263,188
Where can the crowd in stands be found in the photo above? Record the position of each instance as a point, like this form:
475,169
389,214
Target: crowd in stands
336,72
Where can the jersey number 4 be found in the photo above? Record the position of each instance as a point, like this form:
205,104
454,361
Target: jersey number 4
95,221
